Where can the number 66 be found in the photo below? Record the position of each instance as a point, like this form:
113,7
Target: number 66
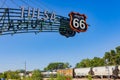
79,23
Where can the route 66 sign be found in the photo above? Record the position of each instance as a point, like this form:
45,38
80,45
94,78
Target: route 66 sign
78,22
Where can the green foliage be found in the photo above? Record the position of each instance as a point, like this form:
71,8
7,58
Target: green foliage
118,49
51,77
11,75
96,61
21,71
89,77
112,57
57,65
36,75
62,77
68,77
2,75
27,78
118,55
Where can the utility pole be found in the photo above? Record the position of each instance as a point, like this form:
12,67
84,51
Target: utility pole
25,69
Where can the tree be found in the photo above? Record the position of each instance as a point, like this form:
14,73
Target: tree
118,49
118,59
113,57
2,75
107,56
67,65
36,75
21,71
84,63
11,75
96,61
57,65
118,55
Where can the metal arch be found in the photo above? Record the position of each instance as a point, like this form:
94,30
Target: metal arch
12,21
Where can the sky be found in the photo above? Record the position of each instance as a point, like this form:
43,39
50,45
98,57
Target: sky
39,50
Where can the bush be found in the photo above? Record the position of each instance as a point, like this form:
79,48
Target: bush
51,77
89,77
62,77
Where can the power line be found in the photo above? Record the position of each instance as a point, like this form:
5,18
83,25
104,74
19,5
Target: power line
46,5
3,3
36,4
6,5
42,5
14,2
26,3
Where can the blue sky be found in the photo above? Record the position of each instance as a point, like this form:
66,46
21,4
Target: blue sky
41,49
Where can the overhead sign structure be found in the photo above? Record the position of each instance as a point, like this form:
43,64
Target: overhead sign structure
24,20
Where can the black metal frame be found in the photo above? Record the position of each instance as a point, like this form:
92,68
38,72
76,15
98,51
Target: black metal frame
11,22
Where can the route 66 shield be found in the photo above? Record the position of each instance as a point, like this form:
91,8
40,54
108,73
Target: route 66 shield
78,22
